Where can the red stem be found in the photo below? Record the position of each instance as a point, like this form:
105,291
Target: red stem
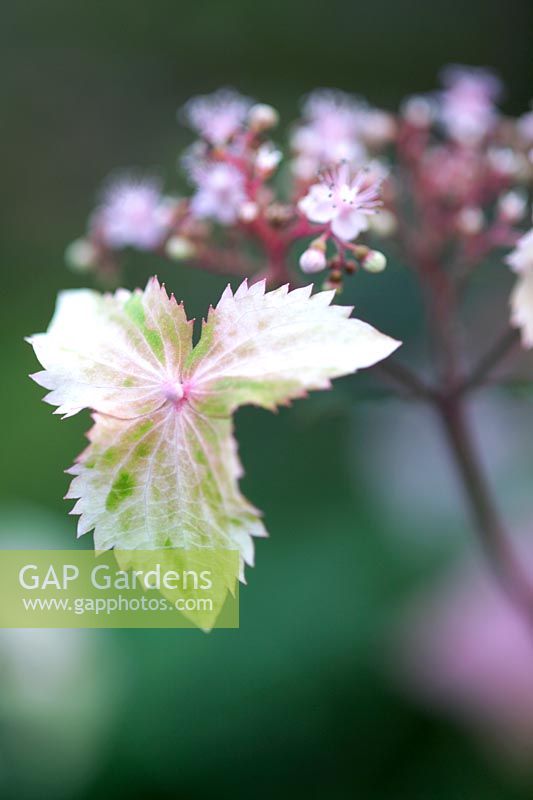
490,527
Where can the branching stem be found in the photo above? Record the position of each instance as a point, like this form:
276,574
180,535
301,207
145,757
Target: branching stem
448,400
402,376
489,525
481,373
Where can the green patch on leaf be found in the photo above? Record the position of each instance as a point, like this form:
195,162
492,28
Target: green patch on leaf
135,311
121,489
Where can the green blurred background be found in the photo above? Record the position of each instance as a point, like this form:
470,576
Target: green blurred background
298,702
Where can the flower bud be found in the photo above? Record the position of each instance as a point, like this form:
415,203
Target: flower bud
360,251
267,160
374,261
504,161
262,117
81,255
418,111
470,220
179,248
313,260
248,211
512,206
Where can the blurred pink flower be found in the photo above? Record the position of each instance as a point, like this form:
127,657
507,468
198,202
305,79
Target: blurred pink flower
343,201
330,133
452,174
467,651
218,116
133,213
220,193
467,108
377,127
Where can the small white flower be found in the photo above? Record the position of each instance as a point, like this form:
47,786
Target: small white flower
342,201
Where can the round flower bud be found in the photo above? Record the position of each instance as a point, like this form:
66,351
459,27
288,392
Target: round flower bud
374,261
179,248
81,255
505,161
418,111
262,117
267,160
512,206
470,220
248,211
313,260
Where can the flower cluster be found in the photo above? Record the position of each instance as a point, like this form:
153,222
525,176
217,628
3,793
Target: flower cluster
445,181
330,189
